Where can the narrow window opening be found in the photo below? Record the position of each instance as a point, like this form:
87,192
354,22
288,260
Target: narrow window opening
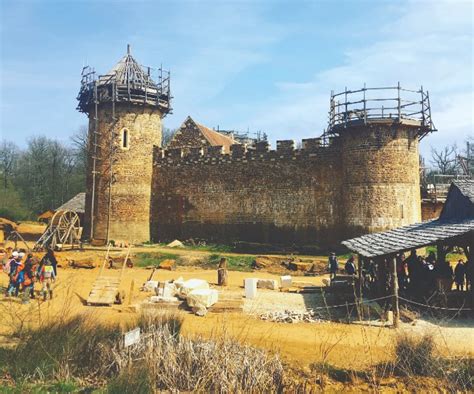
125,137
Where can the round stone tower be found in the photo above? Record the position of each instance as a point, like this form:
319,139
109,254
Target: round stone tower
125,109
378,131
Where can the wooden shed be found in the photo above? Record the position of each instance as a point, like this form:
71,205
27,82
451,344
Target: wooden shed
453,229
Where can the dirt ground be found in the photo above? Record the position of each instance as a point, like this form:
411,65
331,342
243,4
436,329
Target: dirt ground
346,345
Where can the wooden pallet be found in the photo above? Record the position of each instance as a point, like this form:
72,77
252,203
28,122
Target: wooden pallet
105,290
227,304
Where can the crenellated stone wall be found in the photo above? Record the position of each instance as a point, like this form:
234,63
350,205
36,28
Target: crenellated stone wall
285,196
364,181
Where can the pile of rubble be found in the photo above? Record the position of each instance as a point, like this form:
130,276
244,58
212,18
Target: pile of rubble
288,316
196,292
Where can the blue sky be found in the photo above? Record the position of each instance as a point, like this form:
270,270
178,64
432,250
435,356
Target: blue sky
262,65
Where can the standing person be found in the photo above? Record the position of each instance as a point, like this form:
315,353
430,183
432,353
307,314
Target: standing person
51,258
412,266
431,259
28,280
401,271
333,265
459,274
16,266
10,269
47,278
350,267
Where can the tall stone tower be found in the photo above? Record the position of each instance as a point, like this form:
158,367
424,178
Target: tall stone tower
378,131
125,109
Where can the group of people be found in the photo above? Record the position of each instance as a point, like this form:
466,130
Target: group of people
415,273
24,270
418,273
333,266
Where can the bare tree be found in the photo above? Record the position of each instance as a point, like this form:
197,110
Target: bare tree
168,135
80,144
444,159
8,156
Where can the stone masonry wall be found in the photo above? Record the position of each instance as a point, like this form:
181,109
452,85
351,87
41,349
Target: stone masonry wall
380,174
367,180
132,169
281,197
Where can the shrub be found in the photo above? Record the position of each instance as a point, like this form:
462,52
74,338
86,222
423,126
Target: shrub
419,357
133,380
415,356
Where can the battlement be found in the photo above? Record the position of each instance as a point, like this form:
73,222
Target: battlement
285,150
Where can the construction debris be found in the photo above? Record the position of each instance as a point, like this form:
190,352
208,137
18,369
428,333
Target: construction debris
168,264
83,263
175,244
190,285
270,284
288,316
150,285
300,266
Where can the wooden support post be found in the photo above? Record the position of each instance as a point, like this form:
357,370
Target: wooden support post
360,295
132,286
395,306
222,277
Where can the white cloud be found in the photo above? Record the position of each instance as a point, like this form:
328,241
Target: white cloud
428,44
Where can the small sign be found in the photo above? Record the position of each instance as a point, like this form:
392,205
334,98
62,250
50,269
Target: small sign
132,337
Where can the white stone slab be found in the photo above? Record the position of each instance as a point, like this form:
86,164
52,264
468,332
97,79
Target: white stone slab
158,299
250,288
202,298
192,284
285,281
150,285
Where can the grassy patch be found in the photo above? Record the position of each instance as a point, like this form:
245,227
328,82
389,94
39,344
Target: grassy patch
148,259
218,248
234,263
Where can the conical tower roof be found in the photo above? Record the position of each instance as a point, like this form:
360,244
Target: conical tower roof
127,71
127,82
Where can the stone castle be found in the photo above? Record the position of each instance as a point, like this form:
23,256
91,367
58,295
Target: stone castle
361,176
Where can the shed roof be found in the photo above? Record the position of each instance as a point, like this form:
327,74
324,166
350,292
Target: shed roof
420,234
76,204
408,237
466,187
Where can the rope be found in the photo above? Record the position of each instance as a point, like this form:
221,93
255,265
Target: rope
436,307
351,304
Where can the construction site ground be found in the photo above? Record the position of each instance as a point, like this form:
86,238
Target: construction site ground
351,345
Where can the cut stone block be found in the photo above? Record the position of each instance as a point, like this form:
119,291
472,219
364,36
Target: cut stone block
192,284
150,285
270,284
202,298
250,285
158,299
285,281
175,244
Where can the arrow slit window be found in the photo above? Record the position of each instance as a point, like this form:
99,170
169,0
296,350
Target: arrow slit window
125,139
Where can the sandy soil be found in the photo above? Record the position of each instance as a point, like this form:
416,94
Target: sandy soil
301,344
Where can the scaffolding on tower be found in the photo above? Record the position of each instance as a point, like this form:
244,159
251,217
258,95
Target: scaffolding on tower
128,82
